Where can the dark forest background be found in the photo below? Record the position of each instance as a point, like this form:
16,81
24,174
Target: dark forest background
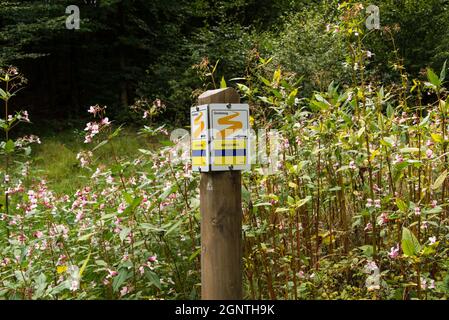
157,49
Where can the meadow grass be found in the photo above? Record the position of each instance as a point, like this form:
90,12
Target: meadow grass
55,158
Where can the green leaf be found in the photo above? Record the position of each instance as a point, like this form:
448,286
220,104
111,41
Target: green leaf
101,263
437,137
124,233
9,146
440,180
367,250
153,278
194,254
390,111
410,245
102,143
302,202
401,205
443,72
119,279
4,95
409,150
433,78
83,267
116,132
265,81
174,227
41,284
263,204
86,236
223,83
425,120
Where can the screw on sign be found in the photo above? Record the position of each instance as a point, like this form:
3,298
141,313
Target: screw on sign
220,150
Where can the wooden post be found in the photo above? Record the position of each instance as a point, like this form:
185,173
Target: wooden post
221,222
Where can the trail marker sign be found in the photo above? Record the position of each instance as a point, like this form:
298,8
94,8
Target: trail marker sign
220,137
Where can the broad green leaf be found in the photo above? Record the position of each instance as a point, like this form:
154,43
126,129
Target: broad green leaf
124,233
440,180
9,146
367,250
292,185
437,137
302,202
153,278
174,227
433,78
119,279
401,205
410,245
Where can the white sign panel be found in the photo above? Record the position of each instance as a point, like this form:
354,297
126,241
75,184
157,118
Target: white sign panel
226,140
200,138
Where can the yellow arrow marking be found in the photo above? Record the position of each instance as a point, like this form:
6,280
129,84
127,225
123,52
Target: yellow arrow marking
198,122
233,125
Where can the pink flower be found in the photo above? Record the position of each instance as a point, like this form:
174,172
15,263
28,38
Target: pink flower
369,203
432,240
105,121
25,116
152,259
368,227
429,153
434,203
38,234
352,165
371,266
74,285
417,211
121,207
377,203
383,219
424,225
124,291
394,252
112,273
398,159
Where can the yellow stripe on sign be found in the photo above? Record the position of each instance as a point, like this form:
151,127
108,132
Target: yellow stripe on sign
224,161
199,161
229,144
199,144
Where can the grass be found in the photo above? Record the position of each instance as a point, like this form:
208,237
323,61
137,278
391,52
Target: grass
55,158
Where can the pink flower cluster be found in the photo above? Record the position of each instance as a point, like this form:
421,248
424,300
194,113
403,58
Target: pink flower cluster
93,128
